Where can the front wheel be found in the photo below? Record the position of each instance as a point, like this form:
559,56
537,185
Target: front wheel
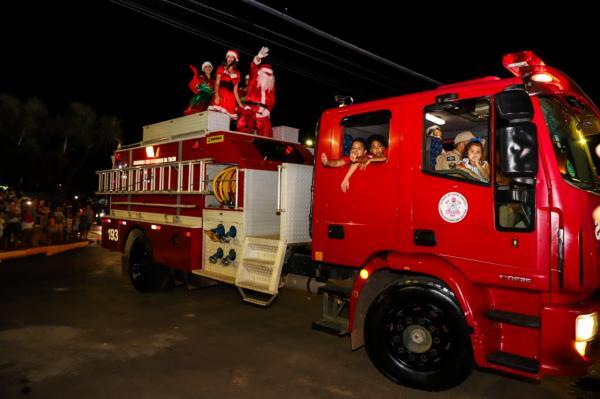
144,274
417,336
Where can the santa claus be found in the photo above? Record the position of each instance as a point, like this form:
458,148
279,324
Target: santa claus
256,115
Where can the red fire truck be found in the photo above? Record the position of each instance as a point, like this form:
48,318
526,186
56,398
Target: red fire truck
447,267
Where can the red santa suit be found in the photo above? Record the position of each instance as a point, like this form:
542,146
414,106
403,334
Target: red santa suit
226,90
260,100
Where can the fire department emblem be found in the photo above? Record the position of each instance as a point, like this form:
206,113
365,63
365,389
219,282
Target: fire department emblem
453,207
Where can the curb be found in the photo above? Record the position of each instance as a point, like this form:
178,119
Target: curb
49,250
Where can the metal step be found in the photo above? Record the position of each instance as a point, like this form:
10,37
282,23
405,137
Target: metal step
331,327
259,262
515,362
335,299
337,290
517,319
255,297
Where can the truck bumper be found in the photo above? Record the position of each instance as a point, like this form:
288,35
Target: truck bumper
559,355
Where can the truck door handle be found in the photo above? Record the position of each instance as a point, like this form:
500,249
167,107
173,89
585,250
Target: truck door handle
335,231
425,238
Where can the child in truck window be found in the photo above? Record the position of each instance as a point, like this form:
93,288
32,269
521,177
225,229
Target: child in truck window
377,153
357,150
436,147
472,161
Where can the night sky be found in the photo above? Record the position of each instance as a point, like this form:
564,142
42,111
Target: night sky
126,64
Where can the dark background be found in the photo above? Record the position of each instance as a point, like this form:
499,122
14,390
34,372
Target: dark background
126,64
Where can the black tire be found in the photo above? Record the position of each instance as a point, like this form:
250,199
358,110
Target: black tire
417,336
144,274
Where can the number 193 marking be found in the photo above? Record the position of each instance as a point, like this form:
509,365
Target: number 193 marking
113,234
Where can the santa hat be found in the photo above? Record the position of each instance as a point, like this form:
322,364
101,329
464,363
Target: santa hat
205,64
234,54
266,68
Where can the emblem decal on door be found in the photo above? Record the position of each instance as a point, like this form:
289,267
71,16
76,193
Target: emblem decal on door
453,207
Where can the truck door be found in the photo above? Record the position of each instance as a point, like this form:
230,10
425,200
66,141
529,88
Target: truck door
350,224
467,212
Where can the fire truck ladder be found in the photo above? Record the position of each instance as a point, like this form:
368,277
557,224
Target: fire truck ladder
183,177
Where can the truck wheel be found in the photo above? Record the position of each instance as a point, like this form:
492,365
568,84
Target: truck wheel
145,275
417,336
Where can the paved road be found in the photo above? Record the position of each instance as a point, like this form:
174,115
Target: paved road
72,327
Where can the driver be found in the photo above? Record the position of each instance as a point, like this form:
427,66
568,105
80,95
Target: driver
450,159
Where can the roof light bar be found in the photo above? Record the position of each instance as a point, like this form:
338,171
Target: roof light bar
523,63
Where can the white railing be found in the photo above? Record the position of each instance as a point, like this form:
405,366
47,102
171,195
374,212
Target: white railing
183,177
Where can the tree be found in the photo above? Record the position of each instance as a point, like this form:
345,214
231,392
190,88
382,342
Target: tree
48,153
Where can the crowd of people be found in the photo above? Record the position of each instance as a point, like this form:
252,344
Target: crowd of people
248,105
30,222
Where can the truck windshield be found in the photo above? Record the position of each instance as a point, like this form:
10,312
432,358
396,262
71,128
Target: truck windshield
575,132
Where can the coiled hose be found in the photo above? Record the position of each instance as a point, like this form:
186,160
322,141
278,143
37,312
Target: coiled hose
224,185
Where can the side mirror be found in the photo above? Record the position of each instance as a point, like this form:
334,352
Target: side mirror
518,149
514,106
516,136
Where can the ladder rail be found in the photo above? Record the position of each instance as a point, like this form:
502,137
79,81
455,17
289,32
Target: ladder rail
157,179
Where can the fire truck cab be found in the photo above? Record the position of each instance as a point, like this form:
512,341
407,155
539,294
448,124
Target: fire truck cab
471,243
458,264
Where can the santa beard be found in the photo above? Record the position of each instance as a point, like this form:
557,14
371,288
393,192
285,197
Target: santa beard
265,82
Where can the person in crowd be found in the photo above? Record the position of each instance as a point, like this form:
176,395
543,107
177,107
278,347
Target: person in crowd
2,222
12,231
87,219
69,224
52,229
27,222
227,78
76,224
43,211
59,216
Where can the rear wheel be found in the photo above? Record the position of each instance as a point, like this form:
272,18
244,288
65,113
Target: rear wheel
417,336
144,274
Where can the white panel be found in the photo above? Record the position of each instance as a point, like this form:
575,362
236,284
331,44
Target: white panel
201,122
260,203
286,133
296,183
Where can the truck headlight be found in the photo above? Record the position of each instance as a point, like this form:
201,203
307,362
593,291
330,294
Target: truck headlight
586,327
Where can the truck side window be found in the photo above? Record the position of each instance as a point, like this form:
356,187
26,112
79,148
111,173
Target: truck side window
455,140
369,126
